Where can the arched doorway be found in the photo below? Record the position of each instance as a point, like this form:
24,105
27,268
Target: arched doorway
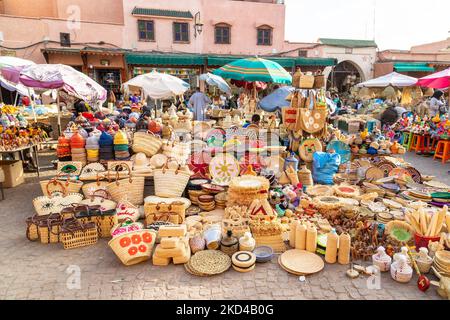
344,75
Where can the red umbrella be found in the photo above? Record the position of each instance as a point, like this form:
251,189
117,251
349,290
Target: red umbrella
438,80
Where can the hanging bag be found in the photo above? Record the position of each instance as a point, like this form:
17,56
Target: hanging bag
306,81
319,79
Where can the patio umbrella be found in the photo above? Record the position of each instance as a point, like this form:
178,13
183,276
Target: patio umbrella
393,79
276,99
259,85
254,69
439,80
7,62
158,85
216,81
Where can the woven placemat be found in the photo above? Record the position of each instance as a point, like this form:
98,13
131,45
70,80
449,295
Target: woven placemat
289,271
209,262
300,261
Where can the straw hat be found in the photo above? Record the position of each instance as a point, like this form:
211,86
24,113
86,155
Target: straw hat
140,162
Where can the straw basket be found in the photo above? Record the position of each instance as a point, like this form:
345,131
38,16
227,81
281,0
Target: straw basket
56,185
134,247
306,81
319,80
92,187
147,143
75,234
170,183
131,189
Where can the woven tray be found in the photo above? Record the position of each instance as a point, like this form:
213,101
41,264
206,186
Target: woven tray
300,261
209,263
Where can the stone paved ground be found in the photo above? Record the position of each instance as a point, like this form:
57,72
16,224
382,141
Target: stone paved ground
35,271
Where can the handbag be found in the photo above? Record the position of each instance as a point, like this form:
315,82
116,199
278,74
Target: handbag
100,198
45,205
306,81
104,220
44,228
72,168
58,186
170,183
75,234
90,188
289,116
311,121
174,212
126,210
131,189
146,142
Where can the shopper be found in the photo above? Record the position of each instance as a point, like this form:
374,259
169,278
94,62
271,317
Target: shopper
198,103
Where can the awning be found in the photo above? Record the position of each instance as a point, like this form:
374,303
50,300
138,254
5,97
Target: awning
323,62
412,66
286,62
164,59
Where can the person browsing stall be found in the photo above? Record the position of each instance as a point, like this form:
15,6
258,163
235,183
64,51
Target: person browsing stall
198,103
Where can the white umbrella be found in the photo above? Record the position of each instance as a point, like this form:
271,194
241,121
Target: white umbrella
216,81
13,62
158,85
392,79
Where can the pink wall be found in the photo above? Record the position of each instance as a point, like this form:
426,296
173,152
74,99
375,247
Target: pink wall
235,13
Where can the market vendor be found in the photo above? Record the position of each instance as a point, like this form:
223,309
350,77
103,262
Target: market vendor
437,106
198,103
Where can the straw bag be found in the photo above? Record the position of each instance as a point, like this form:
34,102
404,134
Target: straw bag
127,211
290,115
146,142
100,198
306,81
319,80
170,183
44,228
134,247
91,188
296,78
104,220
57,186
69,168
131,189
311,121
173,213
47,205
75,234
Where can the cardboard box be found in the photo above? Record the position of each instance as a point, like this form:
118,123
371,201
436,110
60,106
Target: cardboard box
13,173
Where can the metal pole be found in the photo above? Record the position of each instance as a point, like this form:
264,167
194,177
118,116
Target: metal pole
59,112
15,100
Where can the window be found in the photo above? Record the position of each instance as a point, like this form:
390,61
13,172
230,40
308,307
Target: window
222,34
303,53
180,32
264,36
348,50
146,30
64,39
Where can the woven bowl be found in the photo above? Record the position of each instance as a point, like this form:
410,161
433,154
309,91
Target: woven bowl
263,254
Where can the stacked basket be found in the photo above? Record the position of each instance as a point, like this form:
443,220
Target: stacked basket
121,146
106,146
77,144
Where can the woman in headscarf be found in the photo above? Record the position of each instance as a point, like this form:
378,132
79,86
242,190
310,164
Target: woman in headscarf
436,103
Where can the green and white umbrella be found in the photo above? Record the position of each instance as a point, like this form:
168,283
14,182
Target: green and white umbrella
254,69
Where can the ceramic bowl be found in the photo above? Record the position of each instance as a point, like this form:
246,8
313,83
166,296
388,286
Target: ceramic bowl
263,254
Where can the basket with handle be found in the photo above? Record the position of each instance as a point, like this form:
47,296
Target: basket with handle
75,234
147,143
319,79
174,212
134,247
170,183
131,188
105,220
49,229
91,187
53,186
306,81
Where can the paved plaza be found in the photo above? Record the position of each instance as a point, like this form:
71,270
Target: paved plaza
32,270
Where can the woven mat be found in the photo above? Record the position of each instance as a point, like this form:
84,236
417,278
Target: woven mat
300,261
209,262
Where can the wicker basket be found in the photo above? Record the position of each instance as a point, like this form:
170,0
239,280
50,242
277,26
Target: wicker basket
173,213
147,143
104,221
319,80
131,189
170,183
134,247
90,188
55,185
306,81
44,228
75,234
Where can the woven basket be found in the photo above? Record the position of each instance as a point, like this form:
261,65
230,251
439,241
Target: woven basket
319,80
174,213
306,81
131,189
56,185
92,187
147,143
170,183
134,247
75,234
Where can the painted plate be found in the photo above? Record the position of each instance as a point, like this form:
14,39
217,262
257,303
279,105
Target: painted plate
215,137
415,174
199,163
223,168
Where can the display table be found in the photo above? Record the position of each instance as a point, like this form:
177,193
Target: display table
18,154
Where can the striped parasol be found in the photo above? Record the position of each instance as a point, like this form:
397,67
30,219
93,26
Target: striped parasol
255,69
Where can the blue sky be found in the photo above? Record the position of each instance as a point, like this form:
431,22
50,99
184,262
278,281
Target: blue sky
399,24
